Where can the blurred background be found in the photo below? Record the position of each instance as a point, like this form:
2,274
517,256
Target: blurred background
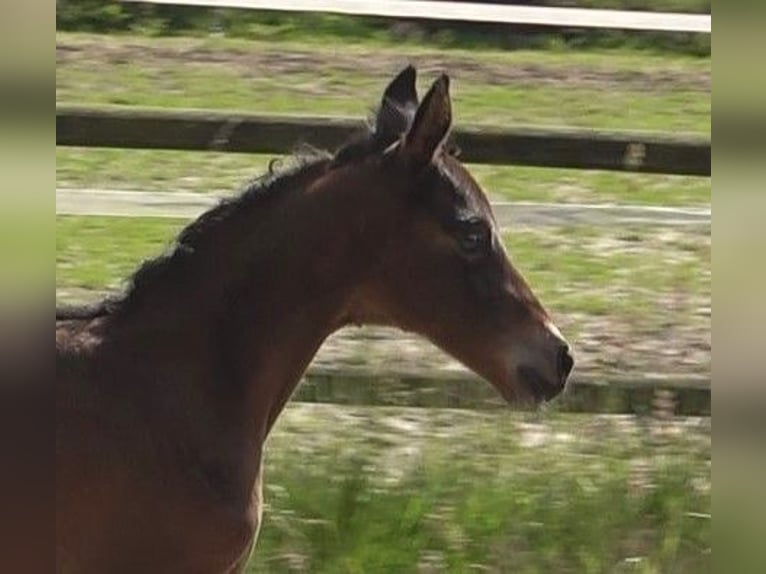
391,457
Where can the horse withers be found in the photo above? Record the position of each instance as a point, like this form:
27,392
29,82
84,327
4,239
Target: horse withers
166,394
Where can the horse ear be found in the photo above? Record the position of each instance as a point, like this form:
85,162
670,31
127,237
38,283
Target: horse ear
431,124
397,108
401,90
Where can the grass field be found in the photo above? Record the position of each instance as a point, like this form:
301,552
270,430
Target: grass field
603,90
616,89
110,16
391,490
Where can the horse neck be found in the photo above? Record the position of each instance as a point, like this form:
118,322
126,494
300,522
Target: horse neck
327,251
247,322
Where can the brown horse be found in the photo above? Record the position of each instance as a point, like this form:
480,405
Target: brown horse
166,395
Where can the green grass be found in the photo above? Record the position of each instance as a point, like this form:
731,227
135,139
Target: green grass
595,272
149,72
391,490
161,21
282,77
97,253
617,59
491,105
166,171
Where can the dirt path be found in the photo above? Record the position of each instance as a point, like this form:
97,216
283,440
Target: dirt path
508,214
376,63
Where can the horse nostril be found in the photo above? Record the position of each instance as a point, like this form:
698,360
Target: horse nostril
565,362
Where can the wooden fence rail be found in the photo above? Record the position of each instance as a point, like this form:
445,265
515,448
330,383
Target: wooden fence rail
218,131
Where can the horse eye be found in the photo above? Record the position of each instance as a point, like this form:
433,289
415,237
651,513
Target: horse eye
473,237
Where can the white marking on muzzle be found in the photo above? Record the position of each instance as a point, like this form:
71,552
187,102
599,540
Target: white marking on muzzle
554,329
